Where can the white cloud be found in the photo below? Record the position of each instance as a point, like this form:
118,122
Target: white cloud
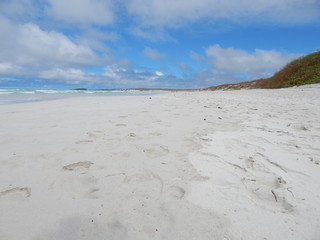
114,72
229,65
95,39
159,74
29,52
152,54
171,13
52,46
257,64
82,11
30,49
113,75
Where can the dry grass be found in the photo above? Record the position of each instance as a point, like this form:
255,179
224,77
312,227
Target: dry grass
305,70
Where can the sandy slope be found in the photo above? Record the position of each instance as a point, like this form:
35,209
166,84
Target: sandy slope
207,165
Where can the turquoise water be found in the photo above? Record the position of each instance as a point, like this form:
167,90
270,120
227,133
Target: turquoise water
13,96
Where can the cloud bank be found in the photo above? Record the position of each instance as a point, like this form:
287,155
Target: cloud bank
230,65
27,46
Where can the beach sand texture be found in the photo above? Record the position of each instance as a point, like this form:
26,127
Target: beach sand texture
181,165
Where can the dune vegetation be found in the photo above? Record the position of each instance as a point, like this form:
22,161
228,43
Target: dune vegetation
302,71
305,70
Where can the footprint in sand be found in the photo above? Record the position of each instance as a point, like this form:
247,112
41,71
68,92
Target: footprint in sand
156,151
132,135
76,186
255,164
79,166
75,182
121,125
92,136
84,141
156,134
301,127
144,184
95,134
16,193
268,188
157,121
175,192
315,161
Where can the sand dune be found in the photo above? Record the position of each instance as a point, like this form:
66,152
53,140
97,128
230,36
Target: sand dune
187,165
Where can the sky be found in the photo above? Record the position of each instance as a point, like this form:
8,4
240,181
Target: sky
59,44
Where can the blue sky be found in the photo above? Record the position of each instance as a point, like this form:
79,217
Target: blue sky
151,43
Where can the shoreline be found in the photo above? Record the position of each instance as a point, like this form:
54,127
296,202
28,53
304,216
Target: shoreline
17,96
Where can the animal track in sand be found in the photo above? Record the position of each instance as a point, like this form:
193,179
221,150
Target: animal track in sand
16,193
78,166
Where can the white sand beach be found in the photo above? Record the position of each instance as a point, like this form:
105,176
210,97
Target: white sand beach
181,165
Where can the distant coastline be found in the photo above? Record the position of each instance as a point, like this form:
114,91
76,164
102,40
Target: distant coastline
302,71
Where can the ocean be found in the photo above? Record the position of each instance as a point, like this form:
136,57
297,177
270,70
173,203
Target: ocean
14,96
